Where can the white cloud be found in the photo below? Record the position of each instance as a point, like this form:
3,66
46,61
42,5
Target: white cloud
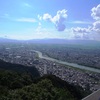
26,20
96,26
96,12
92,32
81,30
80,22
39,17
39,28
82,33
47,17
58,19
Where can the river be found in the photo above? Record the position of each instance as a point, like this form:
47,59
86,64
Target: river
67,63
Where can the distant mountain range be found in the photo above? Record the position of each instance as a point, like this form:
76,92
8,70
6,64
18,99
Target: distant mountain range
7,40
53,41
63,41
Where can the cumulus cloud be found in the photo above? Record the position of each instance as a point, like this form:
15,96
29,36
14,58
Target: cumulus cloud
96,15
96,26
81,30
81,33
96,12
58,20
47,17
92,32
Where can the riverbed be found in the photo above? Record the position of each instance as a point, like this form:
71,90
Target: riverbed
67,63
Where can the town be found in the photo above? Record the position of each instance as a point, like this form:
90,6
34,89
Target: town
25,56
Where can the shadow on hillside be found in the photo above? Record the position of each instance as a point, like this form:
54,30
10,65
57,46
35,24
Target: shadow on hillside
19,68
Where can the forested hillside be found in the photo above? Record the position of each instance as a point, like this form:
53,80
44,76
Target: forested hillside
19,82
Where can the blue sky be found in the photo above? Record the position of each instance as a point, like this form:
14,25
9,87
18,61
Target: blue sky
32,19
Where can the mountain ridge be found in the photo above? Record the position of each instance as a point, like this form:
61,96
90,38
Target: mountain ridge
52,41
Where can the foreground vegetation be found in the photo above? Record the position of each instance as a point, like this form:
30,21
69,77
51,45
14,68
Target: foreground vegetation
16,84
